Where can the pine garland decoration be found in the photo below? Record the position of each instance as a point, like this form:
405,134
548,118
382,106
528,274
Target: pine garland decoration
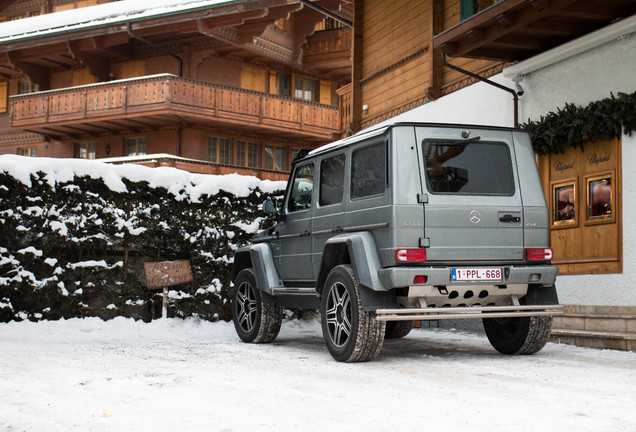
572,126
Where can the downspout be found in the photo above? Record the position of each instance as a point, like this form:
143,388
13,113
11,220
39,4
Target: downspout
515,96
162,49
179,141
327,12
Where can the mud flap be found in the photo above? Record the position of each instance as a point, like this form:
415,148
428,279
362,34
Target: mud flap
373,300
542,295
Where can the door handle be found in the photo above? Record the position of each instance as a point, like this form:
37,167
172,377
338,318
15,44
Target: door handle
510,219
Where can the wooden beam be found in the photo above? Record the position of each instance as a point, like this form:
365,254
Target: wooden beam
96,65
124,49
36,74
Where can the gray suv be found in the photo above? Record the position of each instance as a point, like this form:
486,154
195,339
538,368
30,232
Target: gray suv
402,223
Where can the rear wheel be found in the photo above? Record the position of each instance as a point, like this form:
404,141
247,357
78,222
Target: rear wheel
398,329
257,316
351,334
524,335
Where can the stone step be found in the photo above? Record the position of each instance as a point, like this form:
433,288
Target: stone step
595,339
609,327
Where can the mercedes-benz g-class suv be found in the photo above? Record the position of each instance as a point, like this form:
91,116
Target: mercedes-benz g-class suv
401,223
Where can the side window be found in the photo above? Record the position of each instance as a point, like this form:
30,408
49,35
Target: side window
331,180
368,171
302,186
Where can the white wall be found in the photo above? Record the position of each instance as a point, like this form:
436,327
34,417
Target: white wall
583,78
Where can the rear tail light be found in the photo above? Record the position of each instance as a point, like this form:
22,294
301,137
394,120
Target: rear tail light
410,255
420,280
539,254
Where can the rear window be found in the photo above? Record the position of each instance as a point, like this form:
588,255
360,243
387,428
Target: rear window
468,168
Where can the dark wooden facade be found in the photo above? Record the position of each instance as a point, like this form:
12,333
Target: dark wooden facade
240,85
398,45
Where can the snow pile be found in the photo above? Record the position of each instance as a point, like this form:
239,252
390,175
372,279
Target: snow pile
76,234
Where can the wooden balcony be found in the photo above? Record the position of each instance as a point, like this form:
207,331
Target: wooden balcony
329,51
166,100
511,30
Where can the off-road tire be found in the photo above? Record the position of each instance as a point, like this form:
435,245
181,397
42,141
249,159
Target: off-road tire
398,329
257,316
518,336
351,334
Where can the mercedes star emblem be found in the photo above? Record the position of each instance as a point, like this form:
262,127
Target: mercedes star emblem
475,217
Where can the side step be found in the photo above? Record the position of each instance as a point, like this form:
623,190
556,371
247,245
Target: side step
431,314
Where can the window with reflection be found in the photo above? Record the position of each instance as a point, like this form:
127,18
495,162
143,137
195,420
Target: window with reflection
599,197
564,203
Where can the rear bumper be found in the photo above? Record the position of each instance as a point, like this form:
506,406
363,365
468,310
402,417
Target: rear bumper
430,314
401,277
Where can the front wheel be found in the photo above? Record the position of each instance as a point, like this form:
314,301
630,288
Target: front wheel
257,316
351,334
523,335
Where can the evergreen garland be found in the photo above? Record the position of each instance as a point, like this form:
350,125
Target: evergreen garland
572,125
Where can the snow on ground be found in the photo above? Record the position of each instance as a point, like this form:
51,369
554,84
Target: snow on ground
189,375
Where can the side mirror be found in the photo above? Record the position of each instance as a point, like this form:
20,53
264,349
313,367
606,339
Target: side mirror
269,206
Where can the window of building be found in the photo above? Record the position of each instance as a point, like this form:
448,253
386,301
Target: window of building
28,87
27,151
86,3
585,224
135,146
368,171
304,89
63,7
253,78
283,25
219,150
247,154
4,96
133,69
564,201
600,197
468,8
332,180
82,77
275,158
283,85
328,24
85,150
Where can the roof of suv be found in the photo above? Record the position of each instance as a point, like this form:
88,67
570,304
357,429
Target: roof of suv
379,130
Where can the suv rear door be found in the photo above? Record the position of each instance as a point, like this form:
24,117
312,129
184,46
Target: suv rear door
474,209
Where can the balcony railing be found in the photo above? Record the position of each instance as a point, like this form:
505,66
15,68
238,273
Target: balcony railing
171,97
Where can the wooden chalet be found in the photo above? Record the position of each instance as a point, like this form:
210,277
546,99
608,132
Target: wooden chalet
223,86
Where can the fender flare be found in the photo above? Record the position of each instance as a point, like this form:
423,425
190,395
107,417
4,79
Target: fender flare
260,258
362,253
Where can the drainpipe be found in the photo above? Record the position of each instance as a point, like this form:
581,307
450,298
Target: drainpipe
160,48
179,141
515,96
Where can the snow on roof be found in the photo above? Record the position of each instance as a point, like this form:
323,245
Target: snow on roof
98,16
175,180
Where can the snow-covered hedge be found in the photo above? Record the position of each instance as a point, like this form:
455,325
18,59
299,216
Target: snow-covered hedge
74,236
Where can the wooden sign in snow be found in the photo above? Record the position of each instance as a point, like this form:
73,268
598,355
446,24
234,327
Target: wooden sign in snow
167,273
